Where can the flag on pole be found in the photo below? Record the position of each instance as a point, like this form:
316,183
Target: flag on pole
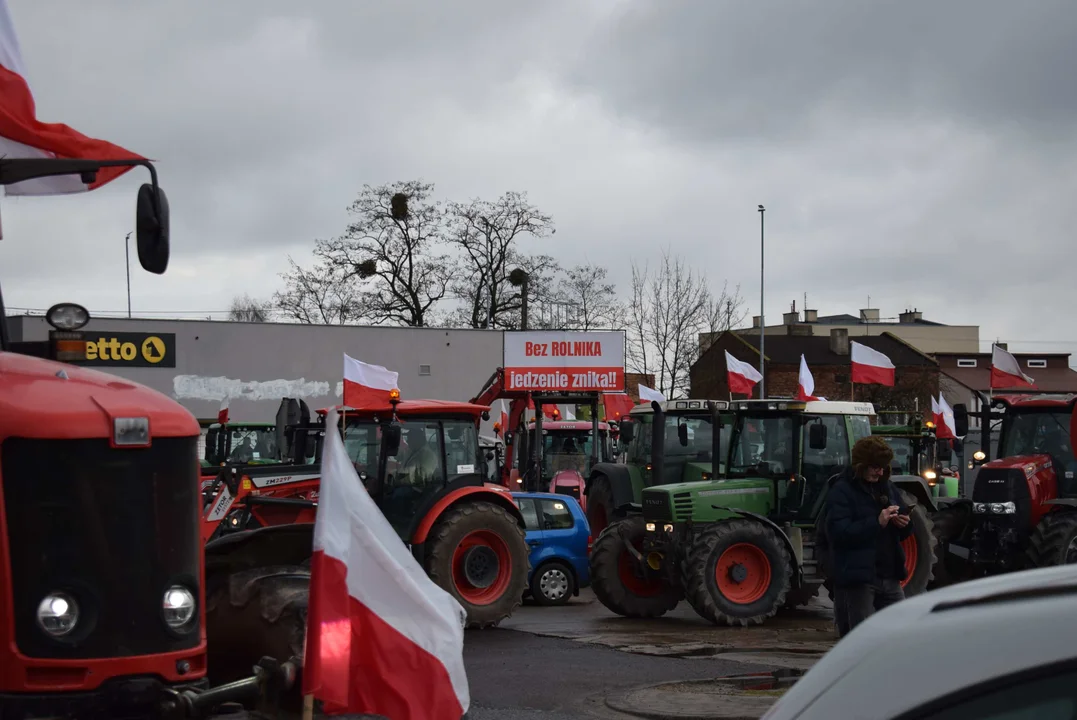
382,638
1006,371
806,382
740,375
870,367
222,414
22,135
367,386
617,405
945,426
647,394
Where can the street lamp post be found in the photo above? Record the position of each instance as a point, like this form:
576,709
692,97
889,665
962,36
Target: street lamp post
762,319
127,252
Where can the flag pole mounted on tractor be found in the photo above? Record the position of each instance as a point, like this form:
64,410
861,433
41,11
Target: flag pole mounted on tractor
127,252
762,320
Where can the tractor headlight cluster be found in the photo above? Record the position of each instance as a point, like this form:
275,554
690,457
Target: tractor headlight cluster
1003,508
649,527
179,606
979,508
667,528
57,614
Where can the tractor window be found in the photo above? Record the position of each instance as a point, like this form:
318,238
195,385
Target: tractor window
859,427
461,448
905,457
565,450
640,449
817,466
763,445
252,445
700,435
1033,433
362,441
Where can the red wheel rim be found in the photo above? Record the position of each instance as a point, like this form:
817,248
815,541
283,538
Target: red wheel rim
743,573
912,553
471,592
626,571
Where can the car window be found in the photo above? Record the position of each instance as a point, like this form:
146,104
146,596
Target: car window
527,509
1038,698
556,515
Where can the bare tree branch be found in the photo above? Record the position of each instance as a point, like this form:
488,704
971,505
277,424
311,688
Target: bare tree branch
322,295
247,309
585,300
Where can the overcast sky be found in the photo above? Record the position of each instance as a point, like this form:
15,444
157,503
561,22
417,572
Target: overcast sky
920,153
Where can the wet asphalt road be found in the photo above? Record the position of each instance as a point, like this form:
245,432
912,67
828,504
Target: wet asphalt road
520,676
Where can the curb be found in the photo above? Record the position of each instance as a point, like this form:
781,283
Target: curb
732,707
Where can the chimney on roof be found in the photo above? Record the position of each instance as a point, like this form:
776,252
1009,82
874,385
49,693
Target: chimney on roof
791,318
910,316
869,315
839,341
755,322
1002,345
811,316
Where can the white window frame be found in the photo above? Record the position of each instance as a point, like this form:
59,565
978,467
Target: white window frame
1036,363
967,362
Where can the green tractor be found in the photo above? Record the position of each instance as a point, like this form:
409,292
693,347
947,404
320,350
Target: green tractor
692,446
917,451
741,546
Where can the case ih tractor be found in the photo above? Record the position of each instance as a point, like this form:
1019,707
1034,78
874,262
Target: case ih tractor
613,489
1023,509
917,451
102,610
741,546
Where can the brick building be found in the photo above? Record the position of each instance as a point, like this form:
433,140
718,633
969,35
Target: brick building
916,374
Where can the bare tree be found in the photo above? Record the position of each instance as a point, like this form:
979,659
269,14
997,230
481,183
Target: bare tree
487,233
586,301
724,312
670,307
395,259
247,309
322,295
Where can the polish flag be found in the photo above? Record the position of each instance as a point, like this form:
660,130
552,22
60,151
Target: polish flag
806,383
1006,372
741,376
617,405
570,414
871,367
22,135
945,426
647,394
367,386
504,419
550,412
222,414
382,638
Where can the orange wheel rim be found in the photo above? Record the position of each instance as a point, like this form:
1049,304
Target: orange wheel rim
912,553
743,573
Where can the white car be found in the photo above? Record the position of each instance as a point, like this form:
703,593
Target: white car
998,648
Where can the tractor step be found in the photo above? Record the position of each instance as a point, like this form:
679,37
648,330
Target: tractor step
809,564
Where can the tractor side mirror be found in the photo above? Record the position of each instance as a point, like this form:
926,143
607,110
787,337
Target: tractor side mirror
392,439
628,431
151,228
682,434
961,419
943,450
817,436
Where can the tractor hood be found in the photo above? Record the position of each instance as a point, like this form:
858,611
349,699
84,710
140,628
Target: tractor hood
697,500
1028,463
46,399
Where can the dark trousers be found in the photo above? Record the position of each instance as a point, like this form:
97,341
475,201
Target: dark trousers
856,603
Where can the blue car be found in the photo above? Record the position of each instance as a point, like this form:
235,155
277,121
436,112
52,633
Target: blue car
560,540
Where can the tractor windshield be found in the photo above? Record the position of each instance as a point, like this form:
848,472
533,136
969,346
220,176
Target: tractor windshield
1033,433
762,445
912,455
239,444
570,450
700,434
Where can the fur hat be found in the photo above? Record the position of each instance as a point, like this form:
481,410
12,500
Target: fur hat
872,450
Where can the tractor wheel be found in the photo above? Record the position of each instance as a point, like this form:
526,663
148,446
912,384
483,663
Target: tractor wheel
617,579
947,525
599,505
738,573
478,554
1054,541
920,548
255,613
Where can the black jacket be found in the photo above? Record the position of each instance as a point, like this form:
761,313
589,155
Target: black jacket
860,549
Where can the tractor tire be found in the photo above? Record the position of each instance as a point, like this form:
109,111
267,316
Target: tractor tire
1054,541
477,553
920,549
255,613
947,524
615,578
599,505
739,572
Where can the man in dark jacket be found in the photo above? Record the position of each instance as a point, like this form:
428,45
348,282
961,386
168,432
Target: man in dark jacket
865,524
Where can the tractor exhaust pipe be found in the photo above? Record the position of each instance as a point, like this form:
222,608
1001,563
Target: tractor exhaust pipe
658,443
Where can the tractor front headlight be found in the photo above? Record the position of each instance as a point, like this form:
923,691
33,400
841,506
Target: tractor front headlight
979,508
649,527
1003,508
57,614
179,606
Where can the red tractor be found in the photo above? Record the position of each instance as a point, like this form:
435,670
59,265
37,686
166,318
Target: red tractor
1023,509
102,601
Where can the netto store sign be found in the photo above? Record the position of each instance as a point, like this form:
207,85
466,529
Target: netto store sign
128,349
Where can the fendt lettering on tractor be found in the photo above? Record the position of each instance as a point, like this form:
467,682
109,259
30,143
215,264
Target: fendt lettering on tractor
741,546
102,610
1023,509
695,437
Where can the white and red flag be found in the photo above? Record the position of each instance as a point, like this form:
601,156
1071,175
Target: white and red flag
647,394
742,377
617,405
222,414
945,426
382,638
1006,371
504,418
806,382
22,135
366,385
870,367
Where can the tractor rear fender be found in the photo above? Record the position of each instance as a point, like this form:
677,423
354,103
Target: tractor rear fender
799,571
262,547
488,492
918,488
620,484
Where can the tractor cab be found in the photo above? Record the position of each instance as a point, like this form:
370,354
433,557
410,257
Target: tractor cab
917,451
249,443
567,454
